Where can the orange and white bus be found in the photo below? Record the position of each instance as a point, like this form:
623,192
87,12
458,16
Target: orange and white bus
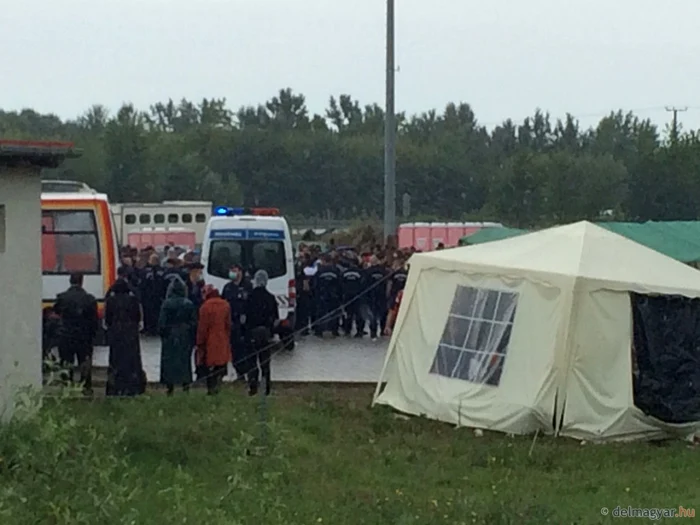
78,235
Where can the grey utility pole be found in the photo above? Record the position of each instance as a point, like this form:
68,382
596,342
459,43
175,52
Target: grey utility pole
390,129
674,124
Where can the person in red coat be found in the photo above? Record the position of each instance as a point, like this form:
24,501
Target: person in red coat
214,338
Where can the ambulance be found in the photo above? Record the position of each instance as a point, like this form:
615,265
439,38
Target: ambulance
255,239
77,236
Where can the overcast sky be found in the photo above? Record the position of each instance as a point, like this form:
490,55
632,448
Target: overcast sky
504,57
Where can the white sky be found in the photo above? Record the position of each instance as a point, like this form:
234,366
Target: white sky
504,57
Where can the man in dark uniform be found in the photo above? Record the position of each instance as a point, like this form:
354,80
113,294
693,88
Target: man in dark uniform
79,323
195,283
131,274
172,272
153,290
376,286
236,293
352,286
327,292
397,281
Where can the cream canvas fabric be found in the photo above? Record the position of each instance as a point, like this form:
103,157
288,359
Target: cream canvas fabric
529,333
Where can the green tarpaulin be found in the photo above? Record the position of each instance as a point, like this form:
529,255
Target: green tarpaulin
679,240
490,234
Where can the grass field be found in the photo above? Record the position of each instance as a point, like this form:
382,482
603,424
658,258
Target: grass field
329,459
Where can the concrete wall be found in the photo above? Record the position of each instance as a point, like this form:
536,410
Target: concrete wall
20,285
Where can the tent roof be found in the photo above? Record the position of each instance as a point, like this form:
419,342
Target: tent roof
578,250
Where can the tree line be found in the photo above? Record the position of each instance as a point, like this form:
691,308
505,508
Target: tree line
535,172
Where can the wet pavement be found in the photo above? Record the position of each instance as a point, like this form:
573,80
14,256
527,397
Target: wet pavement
341,360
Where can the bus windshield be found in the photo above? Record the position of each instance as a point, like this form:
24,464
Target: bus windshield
250,255
69,242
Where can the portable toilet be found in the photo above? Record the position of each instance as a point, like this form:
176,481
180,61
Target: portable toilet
438,234
421,236
455,231
473,227
406,235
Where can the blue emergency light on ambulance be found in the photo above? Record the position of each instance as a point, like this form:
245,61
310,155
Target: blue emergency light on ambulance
253,239
229,211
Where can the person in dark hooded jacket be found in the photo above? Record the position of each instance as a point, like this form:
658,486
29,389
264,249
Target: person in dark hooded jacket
79,322
123,319
262,319
177,326
236,292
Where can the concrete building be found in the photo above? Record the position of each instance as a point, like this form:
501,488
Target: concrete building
21,163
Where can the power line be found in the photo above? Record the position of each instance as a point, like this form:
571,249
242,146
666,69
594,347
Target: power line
674,124
579,116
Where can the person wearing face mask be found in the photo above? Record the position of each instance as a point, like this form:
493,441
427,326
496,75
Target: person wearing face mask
195,283
236,293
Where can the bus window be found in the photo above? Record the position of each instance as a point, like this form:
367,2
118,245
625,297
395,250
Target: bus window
159,218
145,218
130,219
173,218
200,217
187,218
69,242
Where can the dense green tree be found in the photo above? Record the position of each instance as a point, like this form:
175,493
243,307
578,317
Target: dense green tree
539,171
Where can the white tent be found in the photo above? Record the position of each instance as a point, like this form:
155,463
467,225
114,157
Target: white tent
531,333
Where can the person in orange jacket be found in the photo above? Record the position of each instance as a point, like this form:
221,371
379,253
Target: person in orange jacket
214,338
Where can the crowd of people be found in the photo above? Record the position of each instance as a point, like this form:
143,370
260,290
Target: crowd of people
164,295
348,290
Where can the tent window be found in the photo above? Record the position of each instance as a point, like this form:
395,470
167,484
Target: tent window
475,340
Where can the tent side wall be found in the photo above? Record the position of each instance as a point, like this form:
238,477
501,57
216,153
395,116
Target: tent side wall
389,366
599,383
599,401
522,401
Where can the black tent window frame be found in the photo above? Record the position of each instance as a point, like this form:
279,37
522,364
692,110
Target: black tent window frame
476,336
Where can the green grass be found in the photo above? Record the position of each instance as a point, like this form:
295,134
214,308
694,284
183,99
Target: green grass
329,459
